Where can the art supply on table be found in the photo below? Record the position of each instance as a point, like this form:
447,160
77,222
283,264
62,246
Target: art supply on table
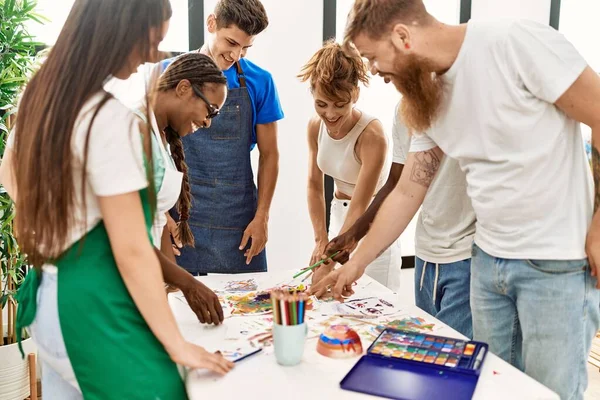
246,285
434,365
370,306
289,326
239,353
339,341
305,270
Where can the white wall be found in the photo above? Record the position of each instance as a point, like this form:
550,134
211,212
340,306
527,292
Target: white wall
57,11
294,34
537,10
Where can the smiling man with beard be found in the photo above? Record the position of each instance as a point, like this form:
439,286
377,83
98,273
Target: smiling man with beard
505,100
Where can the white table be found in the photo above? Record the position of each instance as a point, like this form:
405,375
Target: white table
318,377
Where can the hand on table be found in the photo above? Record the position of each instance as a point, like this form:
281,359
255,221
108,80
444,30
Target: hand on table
193,356
203,302
257,230
339,282
592,248
174,231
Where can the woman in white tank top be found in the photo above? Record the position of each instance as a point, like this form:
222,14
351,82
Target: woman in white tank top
351,147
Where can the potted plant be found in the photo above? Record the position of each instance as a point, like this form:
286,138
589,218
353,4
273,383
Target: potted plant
17,52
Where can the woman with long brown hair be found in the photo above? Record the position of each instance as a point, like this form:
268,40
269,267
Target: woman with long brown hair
351,147
77,166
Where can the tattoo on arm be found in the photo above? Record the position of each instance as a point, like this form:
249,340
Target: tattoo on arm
424,168
596,168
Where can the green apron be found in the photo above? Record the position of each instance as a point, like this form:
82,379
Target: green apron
112,351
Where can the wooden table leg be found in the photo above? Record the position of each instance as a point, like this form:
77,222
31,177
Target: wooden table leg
32,376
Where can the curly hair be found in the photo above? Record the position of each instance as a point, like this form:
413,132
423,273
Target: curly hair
335,73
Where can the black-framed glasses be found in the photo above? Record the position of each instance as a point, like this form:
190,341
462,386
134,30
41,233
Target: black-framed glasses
212,110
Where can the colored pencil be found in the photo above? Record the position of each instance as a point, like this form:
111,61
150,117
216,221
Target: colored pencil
316,265
301,310
289,308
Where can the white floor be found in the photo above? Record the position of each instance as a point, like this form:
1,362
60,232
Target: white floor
407,291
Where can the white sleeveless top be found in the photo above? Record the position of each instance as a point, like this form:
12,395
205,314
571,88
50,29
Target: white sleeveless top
338,159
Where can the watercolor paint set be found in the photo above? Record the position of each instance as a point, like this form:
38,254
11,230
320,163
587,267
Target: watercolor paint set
411,365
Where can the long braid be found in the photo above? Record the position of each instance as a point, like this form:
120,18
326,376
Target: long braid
199,70
184,203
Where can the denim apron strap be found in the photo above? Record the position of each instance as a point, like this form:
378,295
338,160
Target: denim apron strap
223,190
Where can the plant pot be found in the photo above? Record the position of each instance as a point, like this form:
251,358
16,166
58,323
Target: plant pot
14,371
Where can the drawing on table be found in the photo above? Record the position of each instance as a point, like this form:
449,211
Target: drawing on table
250,303
371,306
246,328
413,324
253,303
246,285
363,328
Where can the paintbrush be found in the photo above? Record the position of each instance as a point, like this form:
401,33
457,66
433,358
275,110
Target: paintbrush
355,316
365,322
316,265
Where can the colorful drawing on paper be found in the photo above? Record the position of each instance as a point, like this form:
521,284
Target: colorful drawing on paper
236,352
370,306
413,324
247,328
363,328
250,303
253,303
247,285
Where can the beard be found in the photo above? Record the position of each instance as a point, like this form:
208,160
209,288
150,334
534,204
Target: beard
422,92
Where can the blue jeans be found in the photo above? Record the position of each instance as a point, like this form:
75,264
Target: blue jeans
442,290
539,315
58,377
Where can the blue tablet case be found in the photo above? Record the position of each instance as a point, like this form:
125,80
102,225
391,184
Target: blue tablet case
406,379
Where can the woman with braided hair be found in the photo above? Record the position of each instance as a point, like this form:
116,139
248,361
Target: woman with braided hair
187,96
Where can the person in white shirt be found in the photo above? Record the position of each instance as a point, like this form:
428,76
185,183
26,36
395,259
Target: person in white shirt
505,100
443,237
351,147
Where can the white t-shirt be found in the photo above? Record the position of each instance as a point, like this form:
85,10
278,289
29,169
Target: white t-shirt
115,159
527,175
446,223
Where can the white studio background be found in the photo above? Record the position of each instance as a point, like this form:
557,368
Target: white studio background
537,10
578,23
294,33
57,11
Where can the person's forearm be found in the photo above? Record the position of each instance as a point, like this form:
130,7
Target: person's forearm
363,223
395,214
596,166
173,274
166,246
142,276
316,210
268,171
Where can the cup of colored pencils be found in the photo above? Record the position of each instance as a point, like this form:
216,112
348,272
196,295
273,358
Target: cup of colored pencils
289,326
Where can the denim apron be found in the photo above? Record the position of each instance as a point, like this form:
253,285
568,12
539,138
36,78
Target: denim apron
223,190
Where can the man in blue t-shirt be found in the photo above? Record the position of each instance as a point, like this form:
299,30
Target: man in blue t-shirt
229,214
